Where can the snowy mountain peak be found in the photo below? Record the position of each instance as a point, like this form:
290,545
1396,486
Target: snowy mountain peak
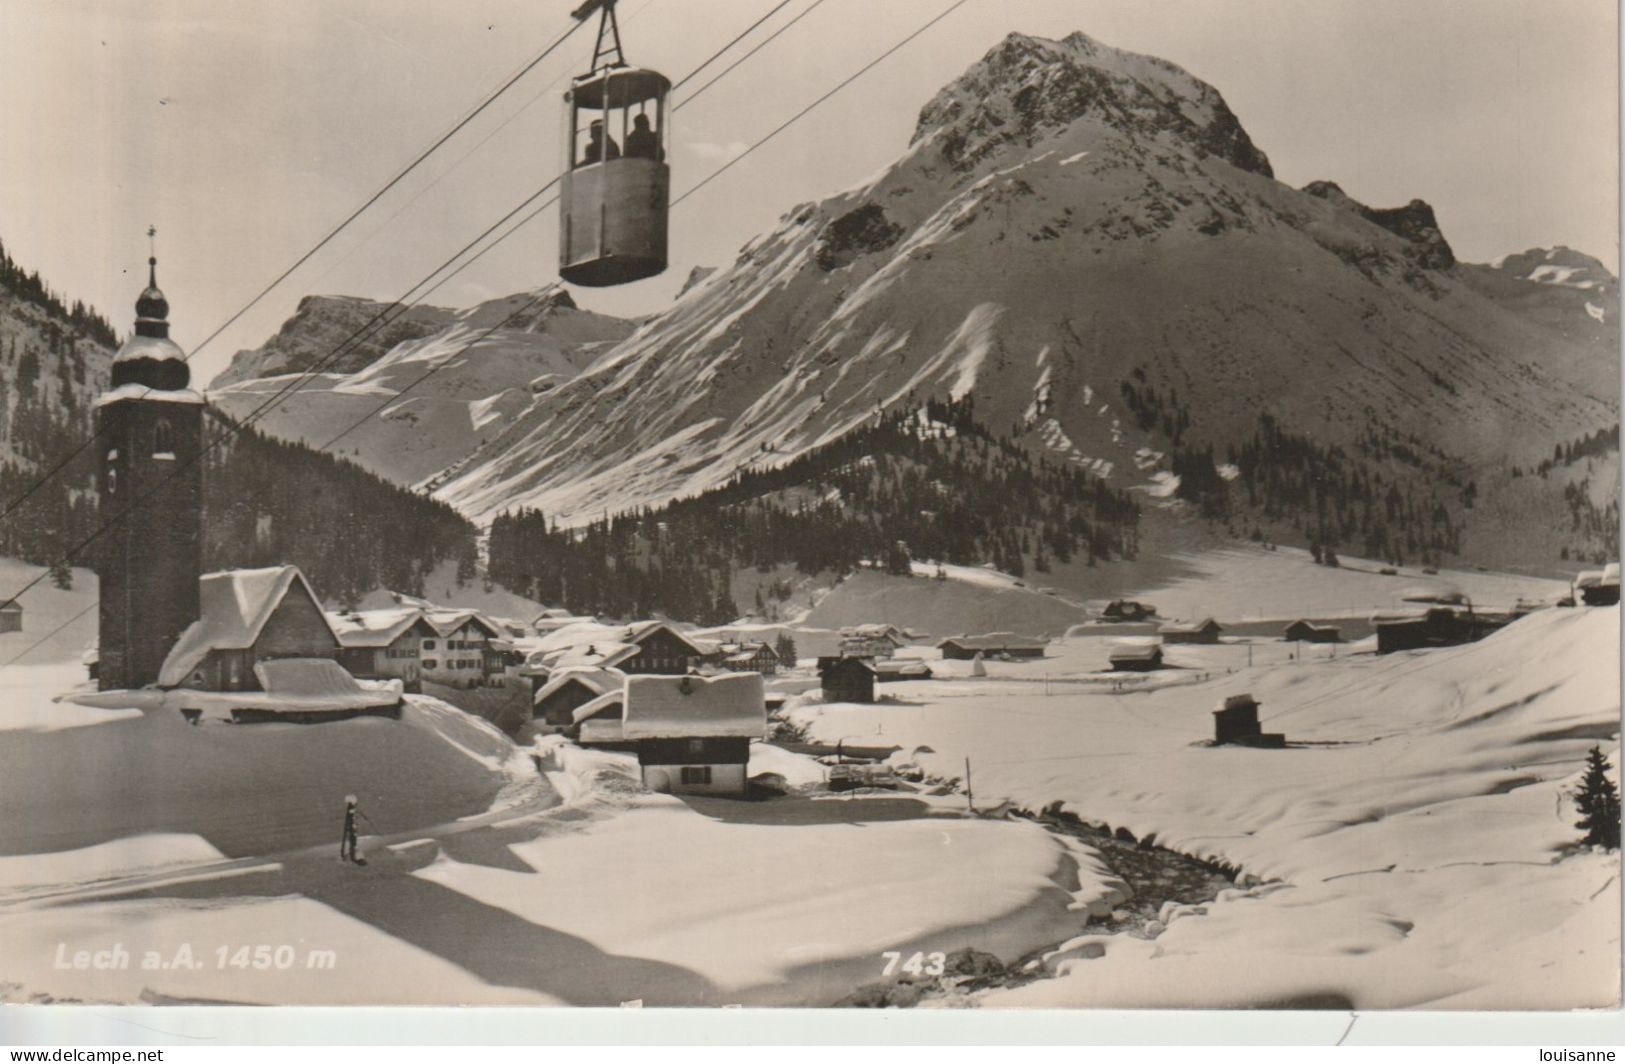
1028,88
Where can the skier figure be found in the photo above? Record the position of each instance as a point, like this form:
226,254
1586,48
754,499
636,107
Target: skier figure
347,844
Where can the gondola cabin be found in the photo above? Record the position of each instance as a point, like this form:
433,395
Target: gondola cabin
615,192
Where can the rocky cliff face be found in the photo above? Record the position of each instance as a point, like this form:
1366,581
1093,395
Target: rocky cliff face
455,382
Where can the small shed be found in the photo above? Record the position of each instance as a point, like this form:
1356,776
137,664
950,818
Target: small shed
693,733
1136,657
1204,631
1308,632
569,689
847,680
11,616
901,671
1600,588
1235,722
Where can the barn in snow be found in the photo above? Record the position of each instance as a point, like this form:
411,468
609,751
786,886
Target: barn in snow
1205,631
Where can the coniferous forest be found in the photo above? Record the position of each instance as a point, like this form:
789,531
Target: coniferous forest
267,502
927,484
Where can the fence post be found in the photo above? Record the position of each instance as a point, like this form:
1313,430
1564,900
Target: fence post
970,799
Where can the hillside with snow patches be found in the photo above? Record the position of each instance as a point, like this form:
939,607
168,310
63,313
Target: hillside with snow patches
1069,216
461,376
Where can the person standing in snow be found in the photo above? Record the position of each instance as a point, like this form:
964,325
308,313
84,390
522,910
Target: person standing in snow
347,843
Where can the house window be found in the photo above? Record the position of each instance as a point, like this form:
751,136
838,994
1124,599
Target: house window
431,664
428,644
696,747
163,437
693,774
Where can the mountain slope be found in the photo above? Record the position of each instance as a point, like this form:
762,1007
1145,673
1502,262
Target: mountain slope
479,382
1069,218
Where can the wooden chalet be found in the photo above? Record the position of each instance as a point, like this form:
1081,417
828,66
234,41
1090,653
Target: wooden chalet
749,657
847,680
383,644
1206,631
1128,610
1441,626
693,733
11,616
994,644
247,616
600,722
459,654
662,650
1136,657
872,640
1308,632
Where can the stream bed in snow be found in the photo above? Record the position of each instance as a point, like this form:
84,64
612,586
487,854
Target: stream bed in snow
1164,882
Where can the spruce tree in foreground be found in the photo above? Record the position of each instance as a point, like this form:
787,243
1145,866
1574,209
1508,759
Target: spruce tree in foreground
1598,800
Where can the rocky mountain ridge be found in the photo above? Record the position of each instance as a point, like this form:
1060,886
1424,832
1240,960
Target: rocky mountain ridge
1071,223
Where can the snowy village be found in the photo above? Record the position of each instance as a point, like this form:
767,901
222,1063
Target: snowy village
891,618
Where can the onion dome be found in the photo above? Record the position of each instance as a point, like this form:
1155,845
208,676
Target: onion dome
149,357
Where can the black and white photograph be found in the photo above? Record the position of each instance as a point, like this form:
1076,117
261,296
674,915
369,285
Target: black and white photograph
842,504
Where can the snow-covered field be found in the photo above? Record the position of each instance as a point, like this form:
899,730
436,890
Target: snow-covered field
1416,826
173,847
1412,847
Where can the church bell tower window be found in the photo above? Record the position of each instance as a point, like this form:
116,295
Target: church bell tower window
163,439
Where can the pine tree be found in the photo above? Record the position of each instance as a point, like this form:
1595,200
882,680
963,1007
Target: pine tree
785,648
61,575
1598,802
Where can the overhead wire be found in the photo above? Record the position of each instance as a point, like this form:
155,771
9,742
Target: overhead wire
400,175
533,301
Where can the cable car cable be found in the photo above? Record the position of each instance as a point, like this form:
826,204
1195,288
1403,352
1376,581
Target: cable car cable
374,198
237,429
379,320
431,371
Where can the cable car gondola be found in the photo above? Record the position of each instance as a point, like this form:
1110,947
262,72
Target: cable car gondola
616,188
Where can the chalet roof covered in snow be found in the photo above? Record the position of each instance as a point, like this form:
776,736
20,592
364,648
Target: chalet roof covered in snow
695,707
1136,651
590,710
448,620
602,654
374,628
598,680
233,607
994,641
639,633
322,679
1200,626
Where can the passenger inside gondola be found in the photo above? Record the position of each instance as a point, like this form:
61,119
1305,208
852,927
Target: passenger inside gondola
600,147
642,143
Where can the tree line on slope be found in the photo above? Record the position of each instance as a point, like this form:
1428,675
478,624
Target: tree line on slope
925,483
269,501
1332,498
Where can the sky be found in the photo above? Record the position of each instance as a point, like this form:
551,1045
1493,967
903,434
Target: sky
246,131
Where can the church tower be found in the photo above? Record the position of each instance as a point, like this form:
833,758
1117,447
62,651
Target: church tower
149,427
